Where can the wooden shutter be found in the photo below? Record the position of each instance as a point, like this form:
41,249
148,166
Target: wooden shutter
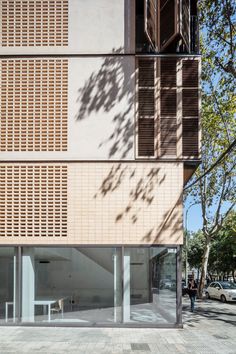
190,73
185,22
174,23
168,103
190,137
150,22
146,102
168,136
168,107
168,72
190,103
190,107
146,137
146,107
167,28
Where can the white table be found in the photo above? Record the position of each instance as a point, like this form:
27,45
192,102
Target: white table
46,303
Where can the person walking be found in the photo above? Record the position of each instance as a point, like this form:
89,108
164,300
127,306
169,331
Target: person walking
192,292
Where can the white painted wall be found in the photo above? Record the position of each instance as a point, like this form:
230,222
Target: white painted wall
101,108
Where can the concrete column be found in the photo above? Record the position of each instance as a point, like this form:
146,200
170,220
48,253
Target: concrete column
28,285
117,259
126,289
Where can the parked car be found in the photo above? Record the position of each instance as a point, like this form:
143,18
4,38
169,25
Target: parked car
165,284
221,290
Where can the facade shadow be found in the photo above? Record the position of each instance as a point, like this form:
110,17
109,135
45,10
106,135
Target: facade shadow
210,314
112,86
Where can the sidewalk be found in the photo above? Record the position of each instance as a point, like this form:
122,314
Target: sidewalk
210,330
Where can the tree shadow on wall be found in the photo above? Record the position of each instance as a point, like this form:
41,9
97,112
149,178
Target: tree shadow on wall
142,194
104,90
171,223
142,189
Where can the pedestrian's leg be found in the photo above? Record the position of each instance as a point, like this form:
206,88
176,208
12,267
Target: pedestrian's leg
192,303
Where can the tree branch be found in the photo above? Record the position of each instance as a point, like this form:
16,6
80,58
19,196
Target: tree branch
217,214
220,111
228,12
203,204
228,68
218,227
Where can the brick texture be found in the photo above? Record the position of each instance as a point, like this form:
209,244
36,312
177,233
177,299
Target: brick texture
33,104
105,203
34,23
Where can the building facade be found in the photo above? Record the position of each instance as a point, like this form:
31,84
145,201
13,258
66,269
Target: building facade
99,132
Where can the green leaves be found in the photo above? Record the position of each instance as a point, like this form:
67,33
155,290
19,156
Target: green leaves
222,257
223,251
217,21
215,192
218,24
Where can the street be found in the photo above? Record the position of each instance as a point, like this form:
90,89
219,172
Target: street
209,330
211,312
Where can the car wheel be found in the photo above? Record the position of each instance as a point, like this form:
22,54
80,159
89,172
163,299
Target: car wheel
223,298
207,296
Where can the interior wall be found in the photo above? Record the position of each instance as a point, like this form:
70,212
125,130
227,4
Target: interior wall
77,277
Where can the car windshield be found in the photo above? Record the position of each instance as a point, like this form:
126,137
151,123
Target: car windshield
228,285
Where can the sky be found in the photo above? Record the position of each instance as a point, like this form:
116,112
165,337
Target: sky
192,216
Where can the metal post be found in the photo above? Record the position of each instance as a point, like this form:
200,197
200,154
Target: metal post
179,286
18,284
186,243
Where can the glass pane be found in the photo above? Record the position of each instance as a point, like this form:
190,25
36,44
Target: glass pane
7,284
81,285
150,285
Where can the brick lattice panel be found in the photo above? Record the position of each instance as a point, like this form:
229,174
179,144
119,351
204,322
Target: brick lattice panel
34,23
33,201
33,102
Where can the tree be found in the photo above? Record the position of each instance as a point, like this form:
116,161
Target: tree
222,258
196,249
215,192
217,20
223,253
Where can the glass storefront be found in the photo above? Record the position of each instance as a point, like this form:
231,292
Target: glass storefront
81,285
7,284
150,288
91,285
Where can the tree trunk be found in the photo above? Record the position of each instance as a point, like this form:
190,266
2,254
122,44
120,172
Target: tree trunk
204,267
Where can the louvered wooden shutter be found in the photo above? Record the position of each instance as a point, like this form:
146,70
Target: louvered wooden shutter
185,22
146,107
190,103
168,107
165,103
167,28
190,107
174,23
190,73
190,137
150,22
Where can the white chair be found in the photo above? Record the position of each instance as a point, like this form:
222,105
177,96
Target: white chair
59,307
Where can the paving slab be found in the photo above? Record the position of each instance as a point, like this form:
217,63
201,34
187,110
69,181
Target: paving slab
210,329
